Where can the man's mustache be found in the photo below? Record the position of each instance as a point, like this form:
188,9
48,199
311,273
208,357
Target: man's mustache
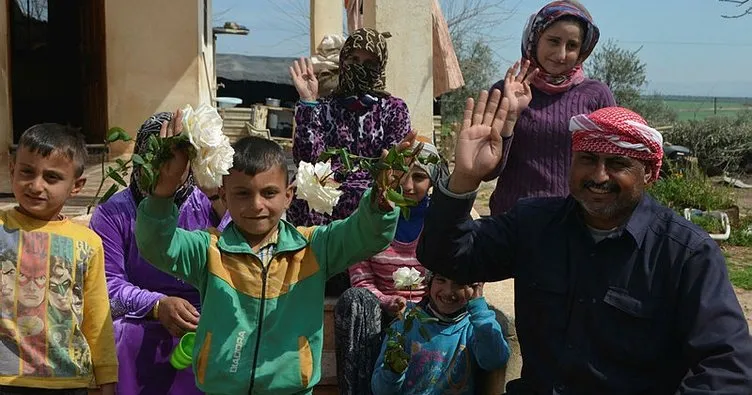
603,186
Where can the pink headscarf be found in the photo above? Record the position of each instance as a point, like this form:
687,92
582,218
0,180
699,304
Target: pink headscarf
618,131
538,22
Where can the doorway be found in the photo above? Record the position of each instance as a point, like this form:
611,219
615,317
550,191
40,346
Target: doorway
58,65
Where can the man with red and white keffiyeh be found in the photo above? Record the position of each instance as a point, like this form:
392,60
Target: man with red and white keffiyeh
615,156
614,293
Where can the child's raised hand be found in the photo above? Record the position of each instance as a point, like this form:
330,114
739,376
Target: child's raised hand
173,172
477,290
517,87
396,305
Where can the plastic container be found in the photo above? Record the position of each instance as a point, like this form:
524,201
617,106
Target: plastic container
689,213
271,121
272,102
182,355
228,102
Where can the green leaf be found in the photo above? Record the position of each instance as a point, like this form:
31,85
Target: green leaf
394,196
409,323
391,156
345,158
153,143
424,333
325,156
120,162
405,211
117,134
410,202
111,191
112,173
137,159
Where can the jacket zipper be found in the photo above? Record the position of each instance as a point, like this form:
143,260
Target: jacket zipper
260,323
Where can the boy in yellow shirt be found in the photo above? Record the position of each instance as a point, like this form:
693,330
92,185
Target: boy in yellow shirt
55,326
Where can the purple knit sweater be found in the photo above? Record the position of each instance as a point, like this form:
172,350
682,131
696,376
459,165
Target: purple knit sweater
537,158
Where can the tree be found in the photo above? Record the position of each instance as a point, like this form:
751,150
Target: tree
621,70
478,69
469,21
745,8
625,74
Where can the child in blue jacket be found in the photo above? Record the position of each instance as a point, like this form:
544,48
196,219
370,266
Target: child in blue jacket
461,337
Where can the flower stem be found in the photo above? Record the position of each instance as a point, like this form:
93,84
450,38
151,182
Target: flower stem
101,182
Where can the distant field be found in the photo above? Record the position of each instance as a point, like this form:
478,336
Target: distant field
702,107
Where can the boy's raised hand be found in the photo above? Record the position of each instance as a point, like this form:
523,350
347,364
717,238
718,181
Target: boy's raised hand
172,172
477,291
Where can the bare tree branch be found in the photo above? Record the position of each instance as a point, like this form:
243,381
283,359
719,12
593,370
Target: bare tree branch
739,4
473,19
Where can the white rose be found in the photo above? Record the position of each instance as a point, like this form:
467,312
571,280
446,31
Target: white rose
203,126
210,165
407,278
320,198
213,152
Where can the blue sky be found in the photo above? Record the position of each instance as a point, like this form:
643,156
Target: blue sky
699,53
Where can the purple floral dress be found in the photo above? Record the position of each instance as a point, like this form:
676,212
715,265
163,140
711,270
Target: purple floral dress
143,345
329,124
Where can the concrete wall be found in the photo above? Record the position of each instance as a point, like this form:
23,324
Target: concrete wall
6,131
153,59
207,83
409,70
327,17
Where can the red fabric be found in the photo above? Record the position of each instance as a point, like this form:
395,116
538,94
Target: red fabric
615,132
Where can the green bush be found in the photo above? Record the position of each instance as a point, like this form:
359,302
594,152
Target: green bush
720,144
690,188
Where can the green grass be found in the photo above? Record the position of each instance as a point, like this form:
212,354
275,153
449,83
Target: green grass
699,115
740,275
702,108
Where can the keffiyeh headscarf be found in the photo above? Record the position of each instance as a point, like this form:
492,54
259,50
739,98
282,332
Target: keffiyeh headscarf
152,127
358,79
618,131
539,22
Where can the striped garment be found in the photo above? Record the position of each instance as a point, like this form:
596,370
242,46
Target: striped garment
375,274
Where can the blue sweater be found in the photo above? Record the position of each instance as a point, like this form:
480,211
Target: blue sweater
449,361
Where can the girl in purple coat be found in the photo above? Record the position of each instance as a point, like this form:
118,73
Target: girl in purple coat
535,163
150,309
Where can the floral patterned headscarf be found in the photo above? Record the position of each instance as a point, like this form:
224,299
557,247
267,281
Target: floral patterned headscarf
539,22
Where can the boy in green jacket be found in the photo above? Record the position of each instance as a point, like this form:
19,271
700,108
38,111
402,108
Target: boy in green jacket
262,279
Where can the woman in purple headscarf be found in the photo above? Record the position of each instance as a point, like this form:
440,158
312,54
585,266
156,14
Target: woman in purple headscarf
151,310
535,163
